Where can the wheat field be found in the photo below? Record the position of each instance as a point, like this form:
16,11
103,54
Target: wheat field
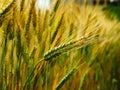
67,47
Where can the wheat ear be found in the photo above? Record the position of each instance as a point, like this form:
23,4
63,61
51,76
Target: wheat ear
69,46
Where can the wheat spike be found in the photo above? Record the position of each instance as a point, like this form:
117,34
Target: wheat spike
69,46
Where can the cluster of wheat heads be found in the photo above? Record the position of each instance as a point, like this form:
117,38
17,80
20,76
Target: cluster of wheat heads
66,47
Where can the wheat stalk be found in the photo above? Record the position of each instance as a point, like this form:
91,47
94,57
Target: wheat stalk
83,79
